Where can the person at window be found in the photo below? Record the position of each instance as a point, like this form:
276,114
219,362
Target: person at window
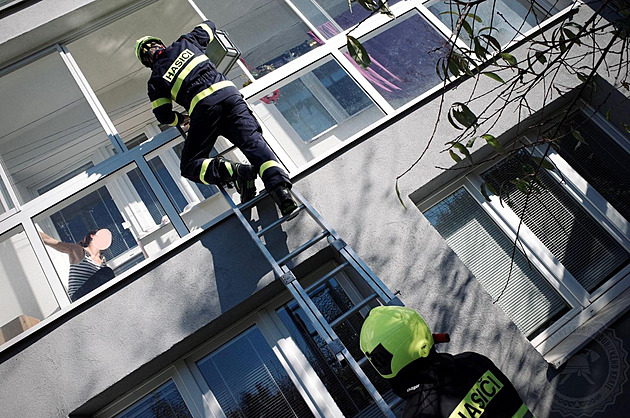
88,268
400,346
182,73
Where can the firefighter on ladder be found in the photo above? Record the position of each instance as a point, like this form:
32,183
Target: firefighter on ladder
182,73
400,346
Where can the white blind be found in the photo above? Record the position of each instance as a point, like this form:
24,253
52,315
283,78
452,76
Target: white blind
529,300
581,244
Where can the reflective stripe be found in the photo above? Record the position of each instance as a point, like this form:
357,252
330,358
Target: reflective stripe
207,92
230,170
478,397
266,165
522,412
187,69
207,29
204,167
161,102
175,122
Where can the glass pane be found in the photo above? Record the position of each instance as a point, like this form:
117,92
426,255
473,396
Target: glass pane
248,380
25,295
124,204
508,18
340,381
48,129
333,16
268,32
315,111
163,402
601,161
529,300
6,203
107,59
404,56
579,242
197,203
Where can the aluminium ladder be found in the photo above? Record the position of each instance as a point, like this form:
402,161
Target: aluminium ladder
348,259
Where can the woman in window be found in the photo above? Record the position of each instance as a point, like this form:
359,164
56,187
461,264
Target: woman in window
88,269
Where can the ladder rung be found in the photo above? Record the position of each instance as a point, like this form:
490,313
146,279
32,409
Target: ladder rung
362,361
354,309
303,247
253,202
279,221
327,276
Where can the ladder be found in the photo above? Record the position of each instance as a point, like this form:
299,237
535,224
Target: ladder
348,260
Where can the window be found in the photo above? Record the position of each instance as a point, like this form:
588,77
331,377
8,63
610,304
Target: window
574,245
26,297
314,111
165,401
248,380
510,19
404,55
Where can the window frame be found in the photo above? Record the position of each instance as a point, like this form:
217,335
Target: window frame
584,306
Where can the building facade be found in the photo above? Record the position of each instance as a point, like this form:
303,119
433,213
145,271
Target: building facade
195,322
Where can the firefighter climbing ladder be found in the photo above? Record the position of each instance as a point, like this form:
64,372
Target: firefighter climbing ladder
348,260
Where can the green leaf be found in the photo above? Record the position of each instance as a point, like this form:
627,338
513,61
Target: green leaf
453,66
608,115
494,143
540,56
509,58
484,192
450,119
493,76
492,41
480,51
463,115
462,149
454,156
467,28
474,16
368,5
544,163
471,142
491,189
358,52
577,135
399,197
626,127
522,185
582,77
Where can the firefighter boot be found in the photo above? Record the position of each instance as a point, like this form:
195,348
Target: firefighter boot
242,176
283,199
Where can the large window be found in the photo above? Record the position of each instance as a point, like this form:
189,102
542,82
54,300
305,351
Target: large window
574,245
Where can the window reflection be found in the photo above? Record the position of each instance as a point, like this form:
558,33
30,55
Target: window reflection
315,110
165,401
404,56
268,32
25,296
247,379
48,129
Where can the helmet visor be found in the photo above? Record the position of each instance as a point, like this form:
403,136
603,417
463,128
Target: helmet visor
381,359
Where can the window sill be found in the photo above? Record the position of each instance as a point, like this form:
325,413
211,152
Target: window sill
587,325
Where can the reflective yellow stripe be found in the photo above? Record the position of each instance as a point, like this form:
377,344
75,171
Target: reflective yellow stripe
207,92
175,122
478,397
207,29
266,165
522,411
187,69
160,102
204,167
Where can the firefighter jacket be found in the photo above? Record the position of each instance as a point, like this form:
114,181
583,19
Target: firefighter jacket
183,73
467,385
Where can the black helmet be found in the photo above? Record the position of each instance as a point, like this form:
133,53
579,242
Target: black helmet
142,49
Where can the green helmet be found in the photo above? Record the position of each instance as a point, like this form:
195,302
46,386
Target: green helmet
394,336
142,49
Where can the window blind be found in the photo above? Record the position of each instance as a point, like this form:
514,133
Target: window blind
572,235
529,300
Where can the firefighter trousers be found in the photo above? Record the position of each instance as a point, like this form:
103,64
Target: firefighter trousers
232,119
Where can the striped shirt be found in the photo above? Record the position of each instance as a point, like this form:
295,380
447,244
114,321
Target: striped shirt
80,272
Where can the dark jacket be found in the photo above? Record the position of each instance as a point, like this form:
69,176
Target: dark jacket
183,73
465,385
